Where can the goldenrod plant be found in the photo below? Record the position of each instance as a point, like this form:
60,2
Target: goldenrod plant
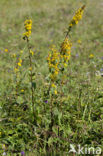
57,63
26,36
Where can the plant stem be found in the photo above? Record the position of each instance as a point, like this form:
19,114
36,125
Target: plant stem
51,112
31,79
16,77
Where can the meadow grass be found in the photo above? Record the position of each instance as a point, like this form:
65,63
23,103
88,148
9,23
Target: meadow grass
82,98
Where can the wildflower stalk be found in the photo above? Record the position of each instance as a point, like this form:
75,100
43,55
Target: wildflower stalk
66,45
76,18
28,25
31,73
65,50
51,112
18,65
16,78
53,62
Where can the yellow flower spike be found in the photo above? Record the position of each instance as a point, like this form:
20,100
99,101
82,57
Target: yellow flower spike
53,62
28,26
6,50
77,17
0,133
65,51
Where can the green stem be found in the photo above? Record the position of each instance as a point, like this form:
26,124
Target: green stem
31,79
16,78
51,112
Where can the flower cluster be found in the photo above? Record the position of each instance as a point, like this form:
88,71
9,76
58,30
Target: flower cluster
28,26
77,17
53,62
65,51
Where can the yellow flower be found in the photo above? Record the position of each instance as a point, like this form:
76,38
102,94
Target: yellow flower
91,56
55,92
31,52
65,65
22,90
79,41
0,133
53,85
19,64
6,50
